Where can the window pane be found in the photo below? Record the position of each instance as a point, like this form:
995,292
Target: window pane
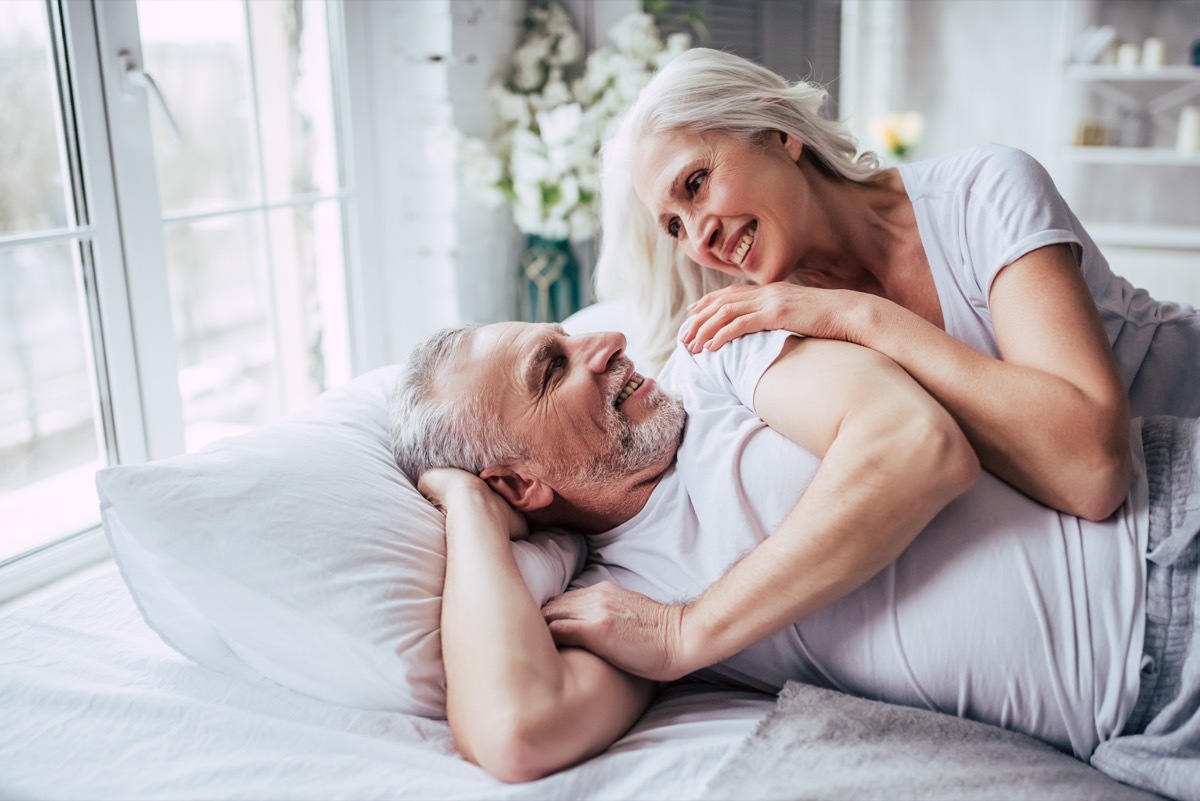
220,303
31,174
295,98
306,249
49,439
196,51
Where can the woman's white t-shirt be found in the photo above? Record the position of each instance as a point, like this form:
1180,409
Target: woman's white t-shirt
978,210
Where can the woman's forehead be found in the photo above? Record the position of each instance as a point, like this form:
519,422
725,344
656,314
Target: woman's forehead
659,157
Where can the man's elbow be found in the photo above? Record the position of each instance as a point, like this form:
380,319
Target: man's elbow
513,753
953,461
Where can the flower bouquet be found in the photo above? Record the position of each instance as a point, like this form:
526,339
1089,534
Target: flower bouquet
553,110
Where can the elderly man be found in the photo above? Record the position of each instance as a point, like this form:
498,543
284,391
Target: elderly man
806,511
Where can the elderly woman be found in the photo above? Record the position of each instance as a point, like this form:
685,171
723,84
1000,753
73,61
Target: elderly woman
969,270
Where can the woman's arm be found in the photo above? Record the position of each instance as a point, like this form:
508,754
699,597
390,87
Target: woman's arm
518,706
892,458
1051,417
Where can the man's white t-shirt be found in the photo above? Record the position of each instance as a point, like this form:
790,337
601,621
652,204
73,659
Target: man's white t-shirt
980,209
1002,610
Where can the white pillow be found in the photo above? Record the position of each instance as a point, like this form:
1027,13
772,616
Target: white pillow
300,551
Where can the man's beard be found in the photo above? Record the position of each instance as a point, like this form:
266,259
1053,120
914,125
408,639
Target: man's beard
635,447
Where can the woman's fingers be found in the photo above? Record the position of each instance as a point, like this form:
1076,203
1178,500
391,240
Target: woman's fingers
726,323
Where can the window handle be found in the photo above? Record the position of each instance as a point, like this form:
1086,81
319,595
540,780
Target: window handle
136,76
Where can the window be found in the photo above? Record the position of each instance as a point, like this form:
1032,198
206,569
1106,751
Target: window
175,217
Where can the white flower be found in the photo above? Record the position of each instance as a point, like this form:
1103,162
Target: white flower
561,125
527,163
636,36
569,48
552,115
584,223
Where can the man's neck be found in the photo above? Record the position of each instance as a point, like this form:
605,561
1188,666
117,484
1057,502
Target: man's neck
596,507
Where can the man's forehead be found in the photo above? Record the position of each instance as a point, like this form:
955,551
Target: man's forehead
500,351
498,343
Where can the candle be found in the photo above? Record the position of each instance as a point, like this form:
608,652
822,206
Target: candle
1154,53
1128,56
1187,139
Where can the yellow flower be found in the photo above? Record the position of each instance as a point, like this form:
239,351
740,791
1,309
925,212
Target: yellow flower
898,132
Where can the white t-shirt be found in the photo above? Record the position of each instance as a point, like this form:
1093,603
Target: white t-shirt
978,210
1002,610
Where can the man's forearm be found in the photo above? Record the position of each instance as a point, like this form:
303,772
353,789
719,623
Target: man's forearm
519,706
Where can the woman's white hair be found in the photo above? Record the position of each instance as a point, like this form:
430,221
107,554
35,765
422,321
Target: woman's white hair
429,430
700,91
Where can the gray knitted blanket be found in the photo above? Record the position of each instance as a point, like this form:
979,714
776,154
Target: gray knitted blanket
821,744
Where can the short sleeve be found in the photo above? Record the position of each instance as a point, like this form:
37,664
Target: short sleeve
1012,208
738,365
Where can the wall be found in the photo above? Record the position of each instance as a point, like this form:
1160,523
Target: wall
992,70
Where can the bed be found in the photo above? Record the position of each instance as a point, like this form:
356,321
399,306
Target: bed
269,630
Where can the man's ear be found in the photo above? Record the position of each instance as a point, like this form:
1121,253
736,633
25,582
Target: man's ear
523,493
793,146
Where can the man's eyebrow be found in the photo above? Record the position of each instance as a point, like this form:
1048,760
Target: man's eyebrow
539,353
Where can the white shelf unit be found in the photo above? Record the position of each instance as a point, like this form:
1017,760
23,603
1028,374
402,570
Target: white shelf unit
1137,156
1157,92
1159,237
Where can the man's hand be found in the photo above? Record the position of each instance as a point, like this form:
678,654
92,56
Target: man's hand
449,488
625,628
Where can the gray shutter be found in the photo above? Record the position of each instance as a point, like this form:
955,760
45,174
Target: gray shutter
796,38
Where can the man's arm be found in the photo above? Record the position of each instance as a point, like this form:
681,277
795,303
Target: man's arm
518,706
892,458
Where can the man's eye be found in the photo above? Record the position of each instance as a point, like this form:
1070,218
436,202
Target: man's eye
673,228
555,365
696,180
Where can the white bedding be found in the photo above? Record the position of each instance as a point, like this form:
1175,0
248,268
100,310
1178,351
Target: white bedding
94,705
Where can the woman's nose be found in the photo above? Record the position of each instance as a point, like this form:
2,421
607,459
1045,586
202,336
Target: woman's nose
702,231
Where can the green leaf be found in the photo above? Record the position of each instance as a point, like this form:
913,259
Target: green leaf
551,194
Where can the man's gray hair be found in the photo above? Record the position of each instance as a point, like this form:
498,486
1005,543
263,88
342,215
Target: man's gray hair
429,430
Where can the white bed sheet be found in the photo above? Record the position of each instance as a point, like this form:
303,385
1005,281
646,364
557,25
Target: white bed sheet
94,705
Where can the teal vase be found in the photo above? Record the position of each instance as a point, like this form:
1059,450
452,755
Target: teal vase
549,280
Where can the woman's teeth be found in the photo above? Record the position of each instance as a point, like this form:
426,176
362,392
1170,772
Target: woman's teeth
628,389
744,246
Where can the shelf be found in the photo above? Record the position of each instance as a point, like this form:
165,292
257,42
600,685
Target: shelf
1140,156
1109,72
1171,237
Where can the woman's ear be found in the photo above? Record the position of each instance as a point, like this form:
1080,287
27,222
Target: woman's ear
523,493
791,145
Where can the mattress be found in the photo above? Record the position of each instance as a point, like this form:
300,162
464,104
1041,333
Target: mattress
94,705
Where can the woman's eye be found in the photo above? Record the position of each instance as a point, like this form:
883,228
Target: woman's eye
696,180
673,228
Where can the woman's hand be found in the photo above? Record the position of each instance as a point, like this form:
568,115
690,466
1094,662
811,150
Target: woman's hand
726,314
625,628
449,488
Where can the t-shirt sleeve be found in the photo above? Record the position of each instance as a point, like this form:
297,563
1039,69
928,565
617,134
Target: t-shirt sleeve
742,362
1012,208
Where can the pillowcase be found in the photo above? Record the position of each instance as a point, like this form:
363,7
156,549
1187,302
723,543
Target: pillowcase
299,551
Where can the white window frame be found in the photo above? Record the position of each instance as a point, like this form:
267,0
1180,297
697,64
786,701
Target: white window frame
131,330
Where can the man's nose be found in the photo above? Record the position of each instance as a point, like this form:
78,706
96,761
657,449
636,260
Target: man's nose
601,349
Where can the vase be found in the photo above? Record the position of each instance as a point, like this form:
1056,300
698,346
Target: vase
549,280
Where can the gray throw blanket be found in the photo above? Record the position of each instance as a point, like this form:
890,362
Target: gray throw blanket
821,744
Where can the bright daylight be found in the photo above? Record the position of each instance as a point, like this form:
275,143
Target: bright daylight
600,399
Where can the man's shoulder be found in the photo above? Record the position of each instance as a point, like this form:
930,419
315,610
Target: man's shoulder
731,371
